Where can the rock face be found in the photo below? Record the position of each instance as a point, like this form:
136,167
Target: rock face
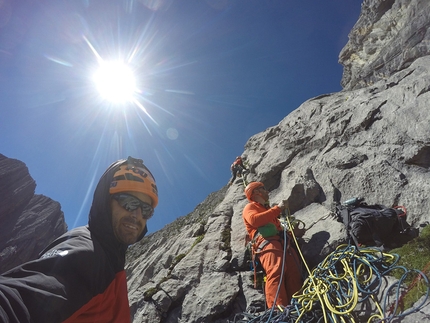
29,222
372,140
387,38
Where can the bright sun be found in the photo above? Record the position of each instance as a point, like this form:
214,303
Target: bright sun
115,82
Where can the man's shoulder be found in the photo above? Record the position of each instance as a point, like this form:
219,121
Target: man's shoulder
76,240
77,234
253,206
79,231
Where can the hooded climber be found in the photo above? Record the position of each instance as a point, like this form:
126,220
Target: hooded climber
237,169
80,277
263,226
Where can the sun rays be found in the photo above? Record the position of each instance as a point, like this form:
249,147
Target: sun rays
115,82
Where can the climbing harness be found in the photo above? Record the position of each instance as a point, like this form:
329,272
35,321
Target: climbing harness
255,249
288,223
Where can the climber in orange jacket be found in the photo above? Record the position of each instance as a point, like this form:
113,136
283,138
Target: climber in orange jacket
237,168
263,225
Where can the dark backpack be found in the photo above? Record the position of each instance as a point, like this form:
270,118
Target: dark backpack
374,225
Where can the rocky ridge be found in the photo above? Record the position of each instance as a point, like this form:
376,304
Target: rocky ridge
388,36
371,139
29,222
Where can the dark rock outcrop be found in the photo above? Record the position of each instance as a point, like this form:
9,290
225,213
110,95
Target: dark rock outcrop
29,222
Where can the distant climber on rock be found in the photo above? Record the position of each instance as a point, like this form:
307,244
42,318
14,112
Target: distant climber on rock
264,228
237,169
80,276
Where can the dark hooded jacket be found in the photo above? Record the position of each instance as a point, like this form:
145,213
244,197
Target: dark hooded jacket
80,277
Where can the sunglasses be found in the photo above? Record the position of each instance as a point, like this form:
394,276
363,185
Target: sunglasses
130,203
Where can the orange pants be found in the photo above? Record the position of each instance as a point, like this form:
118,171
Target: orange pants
271,260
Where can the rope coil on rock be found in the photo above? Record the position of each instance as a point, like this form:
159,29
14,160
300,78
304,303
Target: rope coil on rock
344,279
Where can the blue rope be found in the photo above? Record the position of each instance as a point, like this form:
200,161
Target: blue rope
368,266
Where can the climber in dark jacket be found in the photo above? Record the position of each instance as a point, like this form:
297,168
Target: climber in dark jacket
80,277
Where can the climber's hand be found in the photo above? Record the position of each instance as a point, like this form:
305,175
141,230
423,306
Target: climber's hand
283,204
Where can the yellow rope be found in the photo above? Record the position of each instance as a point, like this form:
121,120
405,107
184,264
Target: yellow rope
316,290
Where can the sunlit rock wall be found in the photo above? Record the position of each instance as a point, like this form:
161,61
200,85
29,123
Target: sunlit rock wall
372,140
387,38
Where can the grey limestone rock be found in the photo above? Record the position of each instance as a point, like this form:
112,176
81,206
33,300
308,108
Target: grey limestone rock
372,139
388,36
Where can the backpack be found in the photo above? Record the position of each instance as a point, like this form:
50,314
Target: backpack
374,225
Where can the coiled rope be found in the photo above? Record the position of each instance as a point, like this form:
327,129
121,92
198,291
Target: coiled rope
346,278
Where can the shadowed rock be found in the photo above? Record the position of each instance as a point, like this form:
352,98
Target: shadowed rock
29,222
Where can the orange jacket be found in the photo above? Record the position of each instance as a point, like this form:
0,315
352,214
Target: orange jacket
256,215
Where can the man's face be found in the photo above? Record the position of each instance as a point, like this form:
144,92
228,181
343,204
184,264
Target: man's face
261,191
128,225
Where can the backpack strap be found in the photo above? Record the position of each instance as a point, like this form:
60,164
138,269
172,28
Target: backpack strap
345,217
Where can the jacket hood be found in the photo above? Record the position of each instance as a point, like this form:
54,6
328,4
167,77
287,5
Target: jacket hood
100,217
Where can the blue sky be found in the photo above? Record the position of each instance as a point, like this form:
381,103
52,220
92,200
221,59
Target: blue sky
210,74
